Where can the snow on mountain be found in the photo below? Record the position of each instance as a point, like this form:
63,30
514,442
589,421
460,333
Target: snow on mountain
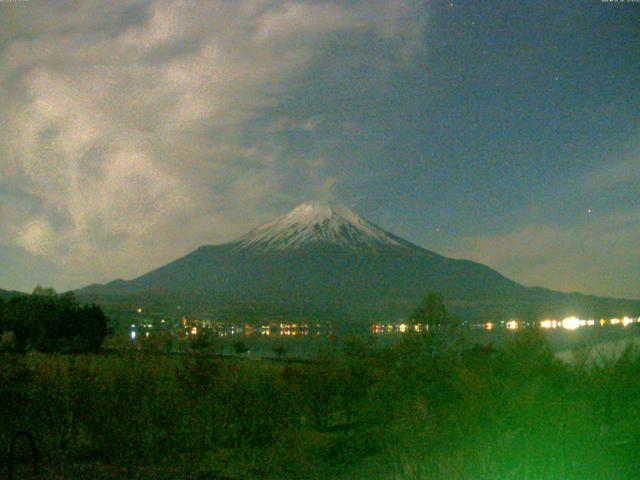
315,222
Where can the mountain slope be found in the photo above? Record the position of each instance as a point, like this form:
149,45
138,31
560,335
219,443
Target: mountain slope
8,295
324,260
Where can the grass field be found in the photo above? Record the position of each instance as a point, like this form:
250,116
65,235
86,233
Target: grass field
436,407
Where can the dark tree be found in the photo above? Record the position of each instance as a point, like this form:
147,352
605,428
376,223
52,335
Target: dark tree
279,349
90,329
204,342
47,322
1,316
46,292
240,347
432,312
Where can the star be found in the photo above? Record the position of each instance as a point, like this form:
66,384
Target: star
588,210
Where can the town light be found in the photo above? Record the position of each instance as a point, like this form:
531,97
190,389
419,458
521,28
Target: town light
571,323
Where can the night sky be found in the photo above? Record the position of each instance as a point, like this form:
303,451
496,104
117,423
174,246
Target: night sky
504,132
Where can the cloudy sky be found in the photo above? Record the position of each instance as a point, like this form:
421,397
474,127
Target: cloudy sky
136,131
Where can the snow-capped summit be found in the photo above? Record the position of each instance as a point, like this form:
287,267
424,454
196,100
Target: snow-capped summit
314,222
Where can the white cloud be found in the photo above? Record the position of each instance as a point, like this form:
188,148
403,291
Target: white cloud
125,124
37,237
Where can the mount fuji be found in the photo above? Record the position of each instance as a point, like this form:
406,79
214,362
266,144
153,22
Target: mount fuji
323,261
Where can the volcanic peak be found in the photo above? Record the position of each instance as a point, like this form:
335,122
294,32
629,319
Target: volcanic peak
318,222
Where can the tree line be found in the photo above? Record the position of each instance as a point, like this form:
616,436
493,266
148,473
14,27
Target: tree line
48,322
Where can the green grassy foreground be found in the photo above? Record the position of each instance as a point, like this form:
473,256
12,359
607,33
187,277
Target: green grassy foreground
426,408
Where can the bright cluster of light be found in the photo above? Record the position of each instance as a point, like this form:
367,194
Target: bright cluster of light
624,321
568,323
402,327
549,323
572,322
